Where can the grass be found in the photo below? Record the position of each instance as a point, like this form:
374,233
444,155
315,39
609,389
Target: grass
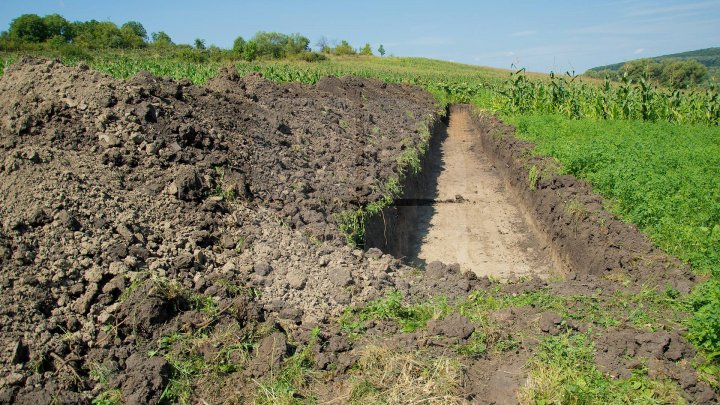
648,309
386,376
393,307
563,371
109,397
291,382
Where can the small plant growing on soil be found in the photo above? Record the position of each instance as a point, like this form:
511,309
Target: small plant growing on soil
533,177
293,377
109,397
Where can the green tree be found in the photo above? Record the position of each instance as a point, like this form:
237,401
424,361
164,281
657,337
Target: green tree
381,50
683,73
366,50
638,68
134,35
135,28
344,49
58,26
199,43
250,51
270,44
161,39
238,45
296,44
95,34
28,28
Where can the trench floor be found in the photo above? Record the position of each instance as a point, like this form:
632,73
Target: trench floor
471,217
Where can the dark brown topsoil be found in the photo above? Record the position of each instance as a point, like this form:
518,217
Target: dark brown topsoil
133,210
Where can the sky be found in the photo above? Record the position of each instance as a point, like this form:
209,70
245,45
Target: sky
541,36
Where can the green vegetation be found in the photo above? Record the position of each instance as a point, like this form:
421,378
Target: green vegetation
563,371
54,36
673,73
294,376
109,397
32,32
658,176
392,307
647,309
203,355
639,100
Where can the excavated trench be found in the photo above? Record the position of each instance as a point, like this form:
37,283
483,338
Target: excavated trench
459,209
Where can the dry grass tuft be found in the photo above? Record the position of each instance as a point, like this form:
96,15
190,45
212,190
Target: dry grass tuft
388,377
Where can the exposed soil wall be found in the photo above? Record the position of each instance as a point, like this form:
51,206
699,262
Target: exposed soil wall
393,231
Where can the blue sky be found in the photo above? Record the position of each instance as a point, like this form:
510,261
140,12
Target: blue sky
539,35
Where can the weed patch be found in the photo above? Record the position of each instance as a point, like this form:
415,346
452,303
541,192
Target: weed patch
563,371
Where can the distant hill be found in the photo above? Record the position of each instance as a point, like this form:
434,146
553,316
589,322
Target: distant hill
709,57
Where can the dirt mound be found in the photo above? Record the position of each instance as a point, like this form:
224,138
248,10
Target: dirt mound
129,204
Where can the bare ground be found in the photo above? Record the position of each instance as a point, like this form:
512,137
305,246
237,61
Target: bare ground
474,220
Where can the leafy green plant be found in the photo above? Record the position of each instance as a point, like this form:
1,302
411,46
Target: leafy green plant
392,307
631,99
704,325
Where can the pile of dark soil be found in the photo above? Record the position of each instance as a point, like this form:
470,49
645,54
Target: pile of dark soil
127,202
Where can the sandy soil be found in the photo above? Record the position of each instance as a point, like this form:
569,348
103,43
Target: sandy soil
474,220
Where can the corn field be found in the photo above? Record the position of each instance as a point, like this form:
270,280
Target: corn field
639,100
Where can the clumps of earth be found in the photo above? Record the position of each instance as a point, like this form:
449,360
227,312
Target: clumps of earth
150,225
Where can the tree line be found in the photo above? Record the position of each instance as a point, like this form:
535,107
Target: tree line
674,73
30,32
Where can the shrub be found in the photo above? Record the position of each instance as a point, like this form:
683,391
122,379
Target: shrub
312,57
366,50
344,49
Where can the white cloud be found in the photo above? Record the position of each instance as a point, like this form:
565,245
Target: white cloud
639,51
524,33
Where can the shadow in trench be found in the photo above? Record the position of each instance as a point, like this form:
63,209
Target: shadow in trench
401,228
